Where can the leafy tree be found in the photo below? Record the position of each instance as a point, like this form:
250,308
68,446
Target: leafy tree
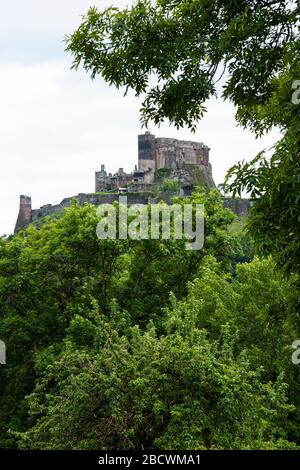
111,360
52,273
101,383
45,275
186,45
273,181
258,304
146,392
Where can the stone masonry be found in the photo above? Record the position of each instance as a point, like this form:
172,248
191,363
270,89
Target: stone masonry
25,213
156,154
185,162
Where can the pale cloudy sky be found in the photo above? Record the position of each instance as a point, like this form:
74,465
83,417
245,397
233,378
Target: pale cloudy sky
57,126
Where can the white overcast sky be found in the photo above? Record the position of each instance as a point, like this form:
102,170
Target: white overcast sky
57,126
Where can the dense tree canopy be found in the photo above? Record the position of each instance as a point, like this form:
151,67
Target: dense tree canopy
142,344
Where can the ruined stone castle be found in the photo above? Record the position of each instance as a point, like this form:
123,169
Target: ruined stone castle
155,154
185,163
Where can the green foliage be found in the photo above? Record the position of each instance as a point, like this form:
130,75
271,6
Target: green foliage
190,387
161,174
186,45
50,275
238,225
142,344
274,185
145,392
169,186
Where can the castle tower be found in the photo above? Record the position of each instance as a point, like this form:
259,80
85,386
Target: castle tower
146,144
24,217
101,180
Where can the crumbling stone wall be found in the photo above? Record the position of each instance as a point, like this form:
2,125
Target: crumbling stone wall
25,213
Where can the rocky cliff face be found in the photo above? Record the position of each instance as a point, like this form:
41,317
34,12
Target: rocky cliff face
188,177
